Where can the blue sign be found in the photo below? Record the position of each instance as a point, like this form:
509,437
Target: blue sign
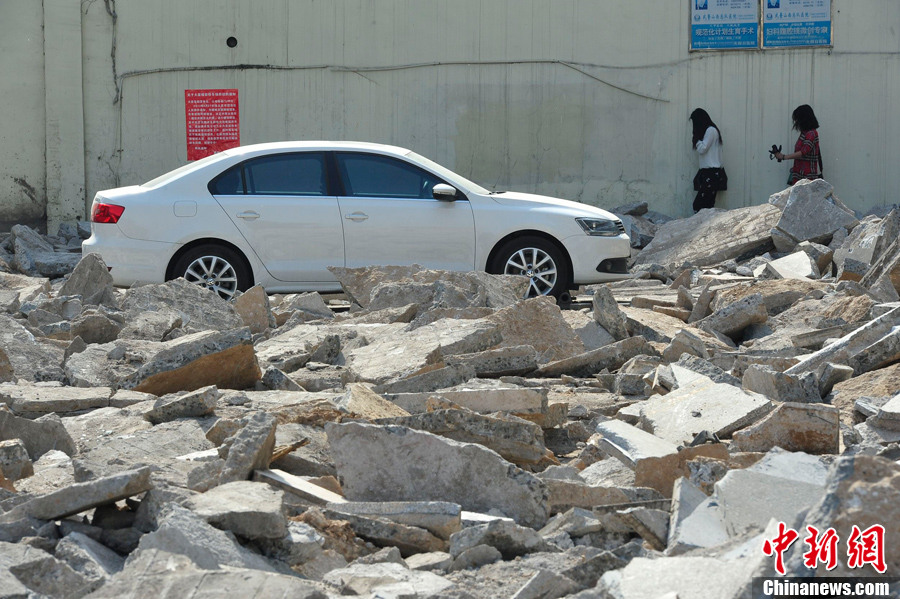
724,24
796,23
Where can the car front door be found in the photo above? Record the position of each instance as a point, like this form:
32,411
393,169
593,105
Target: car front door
281,206
391,218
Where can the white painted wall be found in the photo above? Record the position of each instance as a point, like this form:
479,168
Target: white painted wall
22,166
578,98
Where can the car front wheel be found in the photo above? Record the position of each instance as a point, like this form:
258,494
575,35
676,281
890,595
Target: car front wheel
216,268
539,260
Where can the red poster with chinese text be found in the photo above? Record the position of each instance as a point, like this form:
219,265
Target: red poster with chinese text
213,121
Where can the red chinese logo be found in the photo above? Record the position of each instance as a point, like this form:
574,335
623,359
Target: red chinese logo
863,547
780,544
866,547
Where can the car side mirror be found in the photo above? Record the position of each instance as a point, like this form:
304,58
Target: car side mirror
444,192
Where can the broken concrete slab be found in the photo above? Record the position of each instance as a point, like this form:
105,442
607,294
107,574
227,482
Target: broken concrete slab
630,444
607,314
482,289
565,495
702,405
517,441
779,386
39,436
661,472
711,237
199,309
537,322
812,213
14,461
798,265
83,496
370,468
382,532
386,580
183,532
483,397
254,310
731,320
249,449
360,401
888,415
510,539
224,359
31,359
513,360
810,428
168,575
27,571
94,561
248,509
405,353
193,404
610,357
440,518
37,400
429,379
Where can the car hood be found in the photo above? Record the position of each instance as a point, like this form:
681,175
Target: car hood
526,200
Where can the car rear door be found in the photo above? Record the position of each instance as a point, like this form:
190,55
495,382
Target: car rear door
391,218
280,204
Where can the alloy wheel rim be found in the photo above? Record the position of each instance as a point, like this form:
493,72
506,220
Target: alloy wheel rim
537,265
213,273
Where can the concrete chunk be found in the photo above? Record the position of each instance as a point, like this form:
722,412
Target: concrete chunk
372,466
440,518
631,444
83,496
702,405
248,509
810,428
194,404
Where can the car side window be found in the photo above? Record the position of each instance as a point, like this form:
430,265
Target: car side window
372,175
301,174
229,183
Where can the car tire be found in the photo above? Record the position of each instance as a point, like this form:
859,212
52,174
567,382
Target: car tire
214,267
537,258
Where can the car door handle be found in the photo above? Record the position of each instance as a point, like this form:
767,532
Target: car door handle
248,215
357,217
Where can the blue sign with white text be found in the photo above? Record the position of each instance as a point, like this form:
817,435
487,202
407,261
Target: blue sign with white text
723,36
813,33
724,24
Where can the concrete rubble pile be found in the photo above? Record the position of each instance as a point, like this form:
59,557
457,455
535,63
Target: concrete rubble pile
434,435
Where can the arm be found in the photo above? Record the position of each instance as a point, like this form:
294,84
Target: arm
708,140
807,148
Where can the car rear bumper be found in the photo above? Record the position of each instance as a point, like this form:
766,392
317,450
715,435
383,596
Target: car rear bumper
598,259
130,260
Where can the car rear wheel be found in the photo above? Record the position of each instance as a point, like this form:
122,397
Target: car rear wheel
538,259
214,267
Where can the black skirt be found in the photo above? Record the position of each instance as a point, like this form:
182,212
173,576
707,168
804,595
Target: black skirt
711,179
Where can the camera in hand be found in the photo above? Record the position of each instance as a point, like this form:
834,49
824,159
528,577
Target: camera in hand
775,150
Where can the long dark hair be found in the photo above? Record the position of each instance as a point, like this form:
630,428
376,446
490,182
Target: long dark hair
804,118
701,122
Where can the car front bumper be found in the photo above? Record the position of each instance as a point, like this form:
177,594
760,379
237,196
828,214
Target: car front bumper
598,259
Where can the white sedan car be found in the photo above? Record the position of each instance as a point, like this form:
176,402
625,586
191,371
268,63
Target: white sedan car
279,214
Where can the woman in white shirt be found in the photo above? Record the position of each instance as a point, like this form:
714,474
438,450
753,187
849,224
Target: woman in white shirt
711,178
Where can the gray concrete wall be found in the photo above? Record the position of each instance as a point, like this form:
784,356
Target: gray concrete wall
576,98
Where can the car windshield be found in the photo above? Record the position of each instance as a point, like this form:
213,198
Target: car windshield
190,166
447,173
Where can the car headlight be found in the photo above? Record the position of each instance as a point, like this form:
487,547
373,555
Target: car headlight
599,227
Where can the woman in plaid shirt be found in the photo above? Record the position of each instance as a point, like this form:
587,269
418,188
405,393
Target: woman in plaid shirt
807,156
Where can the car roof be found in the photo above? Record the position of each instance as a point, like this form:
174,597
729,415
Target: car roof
280,146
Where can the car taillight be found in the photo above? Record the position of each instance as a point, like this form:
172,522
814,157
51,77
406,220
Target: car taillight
106,213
